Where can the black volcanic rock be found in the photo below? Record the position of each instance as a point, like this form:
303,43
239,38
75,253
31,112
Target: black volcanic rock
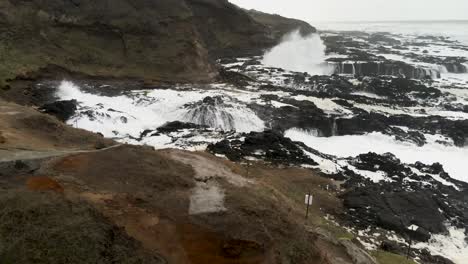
399,88
268,145
454,129
383,38
406,199
363,65
362,58
235,78
298,114
177,125
63,110
397,210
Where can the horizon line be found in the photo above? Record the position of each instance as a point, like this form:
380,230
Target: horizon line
391,21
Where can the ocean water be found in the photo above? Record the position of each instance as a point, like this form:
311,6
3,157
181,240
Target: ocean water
456,29
299,54
130,114
451,157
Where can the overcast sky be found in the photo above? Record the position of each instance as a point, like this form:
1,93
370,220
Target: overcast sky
362,10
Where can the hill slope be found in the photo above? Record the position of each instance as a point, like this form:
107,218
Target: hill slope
164,40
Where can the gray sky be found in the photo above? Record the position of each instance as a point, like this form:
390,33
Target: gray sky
374,10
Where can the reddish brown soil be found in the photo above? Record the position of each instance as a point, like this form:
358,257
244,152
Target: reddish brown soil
179,242
43,184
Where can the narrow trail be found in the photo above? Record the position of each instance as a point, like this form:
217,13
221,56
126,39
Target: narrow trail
12,154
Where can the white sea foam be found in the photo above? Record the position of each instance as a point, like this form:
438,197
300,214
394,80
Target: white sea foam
413,111
327,105
452,158
369,95
129,115
452,246
302,54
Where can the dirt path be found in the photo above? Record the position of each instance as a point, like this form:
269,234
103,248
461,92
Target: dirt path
9,154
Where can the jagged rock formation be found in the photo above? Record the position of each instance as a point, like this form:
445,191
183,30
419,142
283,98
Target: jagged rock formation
371,54
385,67
63,110
269,146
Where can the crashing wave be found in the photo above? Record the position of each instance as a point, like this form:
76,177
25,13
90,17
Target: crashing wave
215,113
302,54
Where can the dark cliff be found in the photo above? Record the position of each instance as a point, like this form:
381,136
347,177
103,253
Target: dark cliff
278,25
228,30
163,40
138,38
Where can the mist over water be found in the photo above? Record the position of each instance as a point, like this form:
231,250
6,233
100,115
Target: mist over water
301,54
456,30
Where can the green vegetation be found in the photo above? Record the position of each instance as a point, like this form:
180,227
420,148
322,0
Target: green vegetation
45,228
390,258
339,232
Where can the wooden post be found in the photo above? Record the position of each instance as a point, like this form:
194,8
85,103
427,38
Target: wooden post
307,205
409,247
410,241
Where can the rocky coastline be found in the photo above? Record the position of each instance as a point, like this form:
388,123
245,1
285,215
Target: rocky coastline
189,134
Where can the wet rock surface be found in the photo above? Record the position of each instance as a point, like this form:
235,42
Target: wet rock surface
410,196
177,126
269,146
63,110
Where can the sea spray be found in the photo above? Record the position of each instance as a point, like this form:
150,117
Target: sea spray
129,114
215,112
452,245
68,90
451,157
301,54
466,67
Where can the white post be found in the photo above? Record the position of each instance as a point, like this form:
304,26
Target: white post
308,201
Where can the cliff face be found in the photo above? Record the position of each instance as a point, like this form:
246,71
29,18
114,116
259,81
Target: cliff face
142,38
163,40
278,26
229,31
